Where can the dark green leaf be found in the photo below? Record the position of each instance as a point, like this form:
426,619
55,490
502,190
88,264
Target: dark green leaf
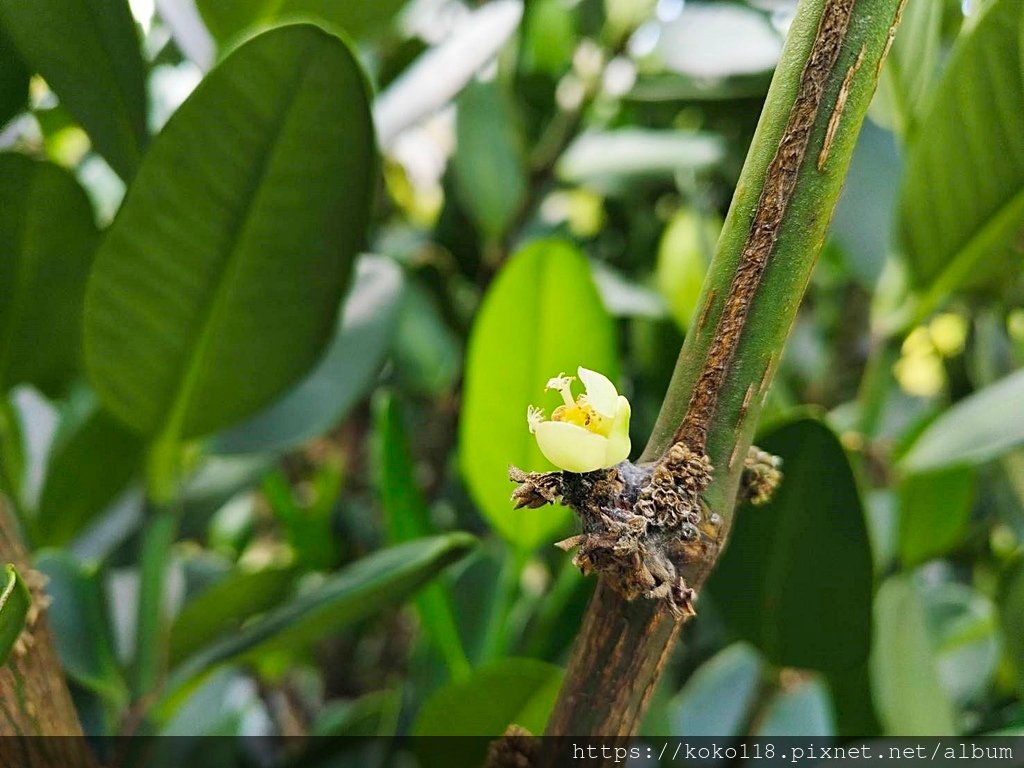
408,518
541,316
778,579
13,81
87,470
15,601
489,165
905,667
218,284
227,18
962,204
520,691
974,430
426,352
81,629
225,606
718,698
359,590
88,53
1011,616
321,400
47,240
934,511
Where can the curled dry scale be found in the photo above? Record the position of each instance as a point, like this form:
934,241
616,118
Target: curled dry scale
645,525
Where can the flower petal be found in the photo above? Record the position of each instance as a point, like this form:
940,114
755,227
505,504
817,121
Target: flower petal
618,438
571,447
601,393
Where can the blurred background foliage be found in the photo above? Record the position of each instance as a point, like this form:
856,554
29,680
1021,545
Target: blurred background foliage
265,474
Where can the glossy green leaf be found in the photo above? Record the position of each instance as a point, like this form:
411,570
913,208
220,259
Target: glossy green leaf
962,205
407,517
520,691
14,77
47,241
218,285
224,606
974,430
718,698
541,316
15,601
786,562
910,68
81,628
489,164
1011,618
87,470
227,18
802,710
904,666
347,370
934,511
357,591
88,53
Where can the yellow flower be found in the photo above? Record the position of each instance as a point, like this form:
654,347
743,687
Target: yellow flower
588,433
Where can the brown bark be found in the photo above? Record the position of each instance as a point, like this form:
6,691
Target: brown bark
34,697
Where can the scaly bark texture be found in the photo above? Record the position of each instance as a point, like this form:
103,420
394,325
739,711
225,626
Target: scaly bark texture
34,697
773,233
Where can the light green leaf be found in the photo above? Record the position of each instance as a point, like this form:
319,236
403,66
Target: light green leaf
803,710
81,628
225,605
15,601
218,284
88,53
357,591
47,240
934,511
87,470
541,316
320,401
910,68
683,256
489,164
962,204
408,518
974,430
227,18
904,666
520,691
14,79
718,698
776,583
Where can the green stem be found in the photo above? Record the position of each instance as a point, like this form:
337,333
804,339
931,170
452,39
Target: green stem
151,623
776,224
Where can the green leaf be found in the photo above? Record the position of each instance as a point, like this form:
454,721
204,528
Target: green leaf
348,368
14,79
357,591
962,204
81,629
223,607
683,256
1011,619
520,691
47,240
541,316
981,427
777,581
87,471
227,18
718,698
88,53
219,282
12,453
408,518
489,165
934,512
910,68
426,352
801,710
904,665
15,601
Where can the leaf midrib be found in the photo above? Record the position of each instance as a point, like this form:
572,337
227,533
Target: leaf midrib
216,305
